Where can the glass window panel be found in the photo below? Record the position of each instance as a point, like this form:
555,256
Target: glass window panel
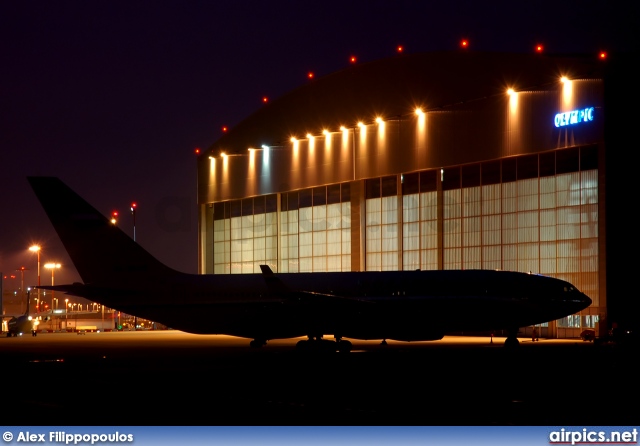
319,243
452,258
389,210
491,199
471,199
411,260
319,218
428,259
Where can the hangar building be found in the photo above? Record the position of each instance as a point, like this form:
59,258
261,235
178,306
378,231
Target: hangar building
445,160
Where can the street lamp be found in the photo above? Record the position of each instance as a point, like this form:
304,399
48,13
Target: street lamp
22,269
52,267
36,249
133,212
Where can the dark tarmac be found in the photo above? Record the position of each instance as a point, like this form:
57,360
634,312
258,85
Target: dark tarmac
173,378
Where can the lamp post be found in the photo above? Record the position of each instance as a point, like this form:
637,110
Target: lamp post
133,212
52,267
22,269
36,249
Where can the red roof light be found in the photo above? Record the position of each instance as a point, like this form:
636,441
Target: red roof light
539,48
464,43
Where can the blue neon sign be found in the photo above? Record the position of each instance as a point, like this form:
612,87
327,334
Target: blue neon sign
574,117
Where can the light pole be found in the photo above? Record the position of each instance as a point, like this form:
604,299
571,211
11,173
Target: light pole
66,313
22,269
133,212
52,267
36,249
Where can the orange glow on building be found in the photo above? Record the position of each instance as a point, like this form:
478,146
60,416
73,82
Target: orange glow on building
567,94
513,101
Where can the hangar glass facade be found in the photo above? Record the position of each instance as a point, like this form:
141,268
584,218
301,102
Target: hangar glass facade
494,185
536,213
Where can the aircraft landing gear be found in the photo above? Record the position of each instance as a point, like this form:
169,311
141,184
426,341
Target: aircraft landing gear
512,338
317,344
257,343
342,345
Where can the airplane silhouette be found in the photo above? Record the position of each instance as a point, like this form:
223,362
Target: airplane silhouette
394,305
22,323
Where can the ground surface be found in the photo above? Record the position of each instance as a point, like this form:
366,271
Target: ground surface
173,378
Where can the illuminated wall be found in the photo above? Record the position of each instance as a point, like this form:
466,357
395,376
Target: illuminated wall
245,235
494,183
315,230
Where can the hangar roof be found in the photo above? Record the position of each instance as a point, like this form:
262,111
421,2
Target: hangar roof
394,87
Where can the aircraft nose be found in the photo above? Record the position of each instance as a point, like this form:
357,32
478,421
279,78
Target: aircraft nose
583,300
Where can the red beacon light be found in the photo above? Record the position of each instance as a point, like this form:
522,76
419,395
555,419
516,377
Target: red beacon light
197,151
265,99
602,55
539,48
352,59
225,128
400,48
310,75
464,43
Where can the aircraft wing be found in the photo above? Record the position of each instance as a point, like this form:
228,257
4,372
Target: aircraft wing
325,299
276,286
76,289
10,316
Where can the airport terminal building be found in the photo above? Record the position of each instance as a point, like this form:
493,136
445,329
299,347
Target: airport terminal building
446,160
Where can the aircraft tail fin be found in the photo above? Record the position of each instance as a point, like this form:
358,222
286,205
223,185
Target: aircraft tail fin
100,251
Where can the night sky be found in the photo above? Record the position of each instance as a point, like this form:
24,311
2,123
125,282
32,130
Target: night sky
113,97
